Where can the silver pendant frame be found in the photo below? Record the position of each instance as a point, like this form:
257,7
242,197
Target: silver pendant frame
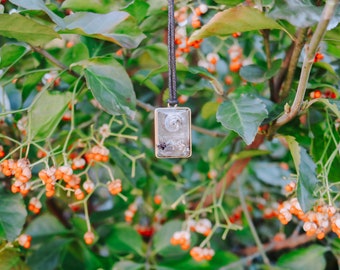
173,132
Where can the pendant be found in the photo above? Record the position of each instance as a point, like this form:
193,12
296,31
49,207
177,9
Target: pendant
173,132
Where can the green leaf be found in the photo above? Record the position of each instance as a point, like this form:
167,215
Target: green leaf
138,9
111,86
75,54
88,5
305,168
10,54
270,173
127,265
39,5
124,239
333,105
12,216
209,109
236,19
161,239
243,114
24,29
298,13
253,73
311,257
228,2
46,113
45,226
30,82
152,56
11,260
48,255
117,26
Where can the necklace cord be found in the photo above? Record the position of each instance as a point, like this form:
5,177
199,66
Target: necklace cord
172,101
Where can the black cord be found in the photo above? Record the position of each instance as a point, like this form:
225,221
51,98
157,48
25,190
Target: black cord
172,101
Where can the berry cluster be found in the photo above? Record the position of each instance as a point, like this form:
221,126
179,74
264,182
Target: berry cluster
317,222
24,240
202,226
200,254
326,94
21,171
181,238
97,153
210,62
115,186
235,54
130,212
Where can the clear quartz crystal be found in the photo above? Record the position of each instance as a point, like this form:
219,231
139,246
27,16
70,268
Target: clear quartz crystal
173,132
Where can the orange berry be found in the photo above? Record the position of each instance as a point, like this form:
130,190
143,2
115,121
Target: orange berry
228,80
236,34
315,94
119,52
318,57
24,240
89,238
79,194
157,199
235,66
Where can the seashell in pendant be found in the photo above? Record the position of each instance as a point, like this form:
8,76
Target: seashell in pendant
173,122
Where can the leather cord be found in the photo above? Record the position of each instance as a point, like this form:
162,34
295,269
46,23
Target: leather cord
172,101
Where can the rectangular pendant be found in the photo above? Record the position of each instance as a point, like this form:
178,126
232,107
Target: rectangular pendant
173,132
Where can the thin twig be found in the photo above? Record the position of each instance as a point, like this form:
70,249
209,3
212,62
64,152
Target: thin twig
251,224
319,33
274,93
55,61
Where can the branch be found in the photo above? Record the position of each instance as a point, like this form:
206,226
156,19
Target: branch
319,33
299,42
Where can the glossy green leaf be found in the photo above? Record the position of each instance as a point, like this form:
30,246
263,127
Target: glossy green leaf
138,9
39,5
236,19
12,216
253,73
111,86
10,54
305,168
46,113
125,239
117,26
24,29
48,255
311,257
11,260
243,114
45,226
